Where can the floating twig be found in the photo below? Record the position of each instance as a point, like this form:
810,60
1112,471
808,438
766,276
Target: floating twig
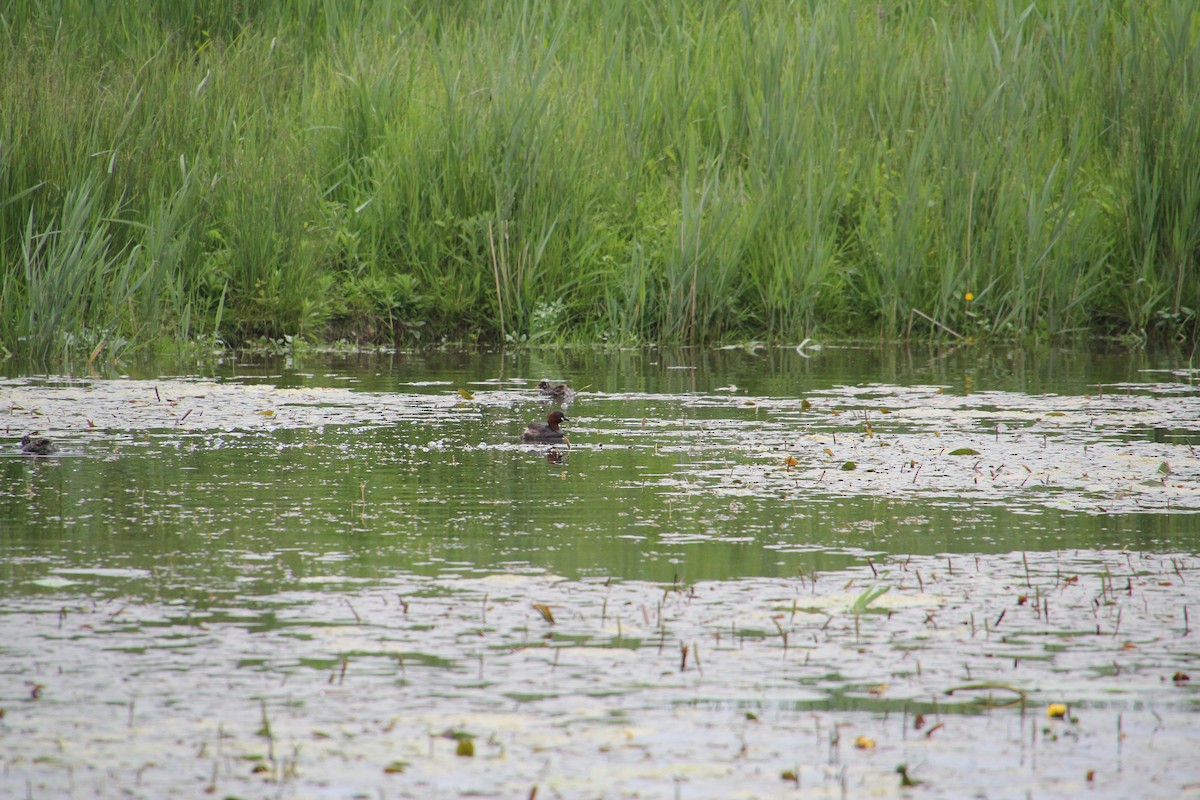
1021,694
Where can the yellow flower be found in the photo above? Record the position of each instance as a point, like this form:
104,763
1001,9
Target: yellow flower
1056,711
864,743
968,297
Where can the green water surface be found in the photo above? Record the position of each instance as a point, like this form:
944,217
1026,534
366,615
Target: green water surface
214,546
446,484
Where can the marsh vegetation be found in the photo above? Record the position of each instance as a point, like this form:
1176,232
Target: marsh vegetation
539,172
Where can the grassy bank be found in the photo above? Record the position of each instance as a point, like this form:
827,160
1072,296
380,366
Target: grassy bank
535,171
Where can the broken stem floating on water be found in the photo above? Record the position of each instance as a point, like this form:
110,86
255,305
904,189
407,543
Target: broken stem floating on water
1021,694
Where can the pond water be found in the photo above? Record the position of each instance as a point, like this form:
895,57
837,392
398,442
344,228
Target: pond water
749,573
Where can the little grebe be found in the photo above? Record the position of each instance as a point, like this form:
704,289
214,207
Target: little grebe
36,445
558,392
547,431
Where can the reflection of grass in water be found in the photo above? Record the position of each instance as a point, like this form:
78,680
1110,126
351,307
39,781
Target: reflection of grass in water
321,432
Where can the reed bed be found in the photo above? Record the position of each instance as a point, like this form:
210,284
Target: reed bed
542,172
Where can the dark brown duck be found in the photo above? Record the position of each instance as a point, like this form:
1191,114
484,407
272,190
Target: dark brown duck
558,392
547,431
36,445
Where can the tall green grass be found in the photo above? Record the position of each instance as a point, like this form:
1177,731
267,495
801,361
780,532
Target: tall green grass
535,171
